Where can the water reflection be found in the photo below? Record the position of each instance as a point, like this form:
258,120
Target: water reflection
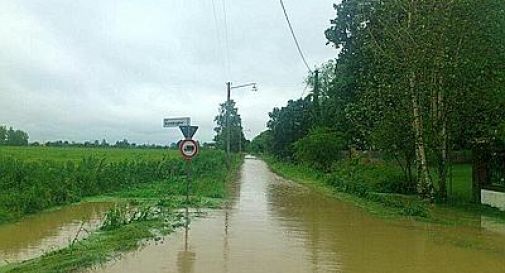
186,258
273,225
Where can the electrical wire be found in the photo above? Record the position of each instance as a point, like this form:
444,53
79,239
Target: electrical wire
294,36
227,41
218,34
214,12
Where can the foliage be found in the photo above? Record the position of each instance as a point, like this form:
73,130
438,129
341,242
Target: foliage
287,125
414,79
348,181
376,176
261,143
231,125
320,148
13,137
28,186
149,214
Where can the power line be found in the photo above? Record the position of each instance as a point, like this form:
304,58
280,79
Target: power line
215,20
294,36
227,41
218,33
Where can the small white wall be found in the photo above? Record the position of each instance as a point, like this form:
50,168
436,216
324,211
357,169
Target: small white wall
493,198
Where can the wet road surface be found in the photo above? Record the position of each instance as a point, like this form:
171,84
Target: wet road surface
274,225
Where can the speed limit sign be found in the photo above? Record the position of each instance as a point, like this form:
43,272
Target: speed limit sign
188,148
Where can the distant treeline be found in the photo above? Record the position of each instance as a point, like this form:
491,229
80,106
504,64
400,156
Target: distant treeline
103,144
13,137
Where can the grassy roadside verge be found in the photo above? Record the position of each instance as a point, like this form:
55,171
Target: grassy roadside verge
145,212
385,205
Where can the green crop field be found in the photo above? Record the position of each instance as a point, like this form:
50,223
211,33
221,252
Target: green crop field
76,154
37,178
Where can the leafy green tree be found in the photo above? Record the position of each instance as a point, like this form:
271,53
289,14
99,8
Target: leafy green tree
288,124
425,74
16,138
261,144
237,137
3,135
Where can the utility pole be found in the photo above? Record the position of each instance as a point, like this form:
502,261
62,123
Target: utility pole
317,105
228,129
229,87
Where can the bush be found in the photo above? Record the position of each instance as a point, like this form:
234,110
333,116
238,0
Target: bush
374,181
319,149
378,176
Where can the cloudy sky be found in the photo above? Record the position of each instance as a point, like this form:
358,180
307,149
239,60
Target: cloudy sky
84,70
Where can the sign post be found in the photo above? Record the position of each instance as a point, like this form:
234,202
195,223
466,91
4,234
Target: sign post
187,147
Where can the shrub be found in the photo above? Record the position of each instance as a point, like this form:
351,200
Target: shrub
379,176
319,149
374,181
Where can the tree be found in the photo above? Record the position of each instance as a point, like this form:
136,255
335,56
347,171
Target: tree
237,137
16,138
425,72
3,135
288,124
261,144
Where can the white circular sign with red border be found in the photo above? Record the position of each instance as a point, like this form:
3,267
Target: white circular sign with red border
188,148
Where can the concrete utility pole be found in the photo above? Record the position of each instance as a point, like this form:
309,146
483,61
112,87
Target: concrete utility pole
317,105
228,130
229,87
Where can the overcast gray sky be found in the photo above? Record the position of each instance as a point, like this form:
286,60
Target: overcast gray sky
84,70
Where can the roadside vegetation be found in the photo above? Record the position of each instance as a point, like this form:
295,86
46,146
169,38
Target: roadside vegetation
414,85
375,187
148,193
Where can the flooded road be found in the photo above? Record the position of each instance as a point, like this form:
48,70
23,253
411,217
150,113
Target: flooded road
273,225
37,234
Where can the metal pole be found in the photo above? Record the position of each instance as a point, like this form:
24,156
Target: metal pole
188,178
188,188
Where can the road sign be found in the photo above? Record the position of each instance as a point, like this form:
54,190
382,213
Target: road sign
176,122
188,148
188,131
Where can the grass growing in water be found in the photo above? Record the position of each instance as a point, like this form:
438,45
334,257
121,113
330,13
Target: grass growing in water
149,215
363,193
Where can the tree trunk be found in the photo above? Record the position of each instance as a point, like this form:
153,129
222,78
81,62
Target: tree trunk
424,184
442,158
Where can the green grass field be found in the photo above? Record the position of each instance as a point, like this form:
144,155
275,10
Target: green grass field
461,183
76,154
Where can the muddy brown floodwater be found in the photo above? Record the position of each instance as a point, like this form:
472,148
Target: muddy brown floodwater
273,225
37,234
